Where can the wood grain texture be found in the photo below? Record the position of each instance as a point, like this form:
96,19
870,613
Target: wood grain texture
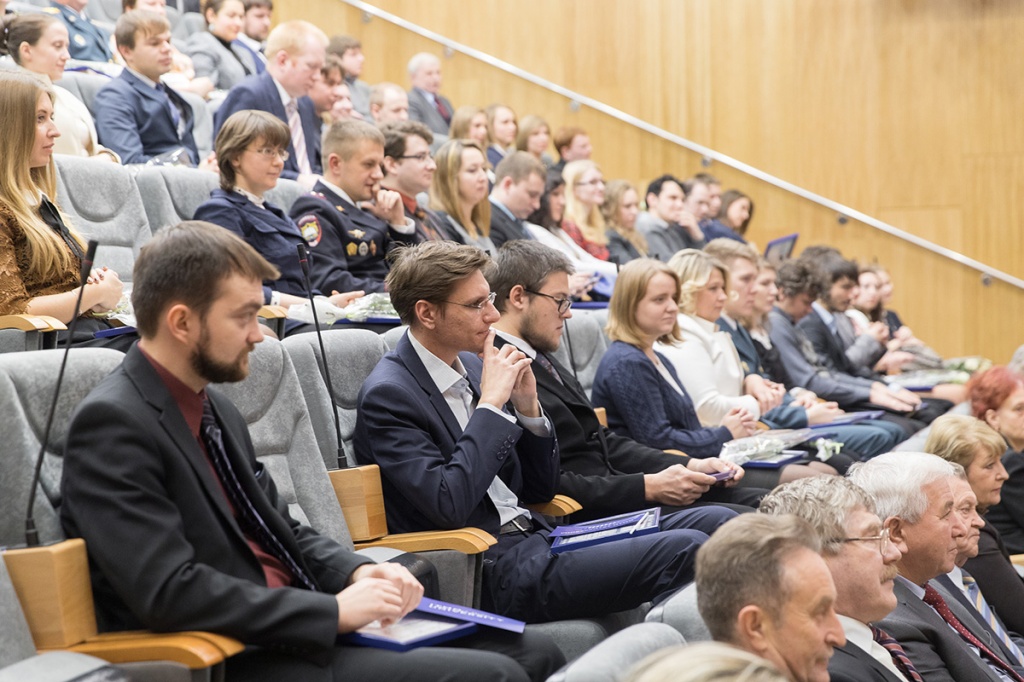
907,110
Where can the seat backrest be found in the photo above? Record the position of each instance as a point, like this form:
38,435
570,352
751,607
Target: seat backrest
681,612
84,85
582,347
202,122
15,638
352,354
171,194
104,10
285,194
273,405
26,390
103,203
189,23
394,335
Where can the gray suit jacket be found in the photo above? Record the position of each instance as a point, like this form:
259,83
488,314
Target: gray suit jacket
421,109
935,649
225,67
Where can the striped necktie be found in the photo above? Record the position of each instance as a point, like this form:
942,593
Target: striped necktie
899,656
933,599
978,599
298,138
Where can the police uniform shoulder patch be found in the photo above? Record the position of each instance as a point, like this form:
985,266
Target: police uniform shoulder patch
309,226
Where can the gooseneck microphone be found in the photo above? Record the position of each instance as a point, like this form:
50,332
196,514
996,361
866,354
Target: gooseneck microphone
31,534
304,263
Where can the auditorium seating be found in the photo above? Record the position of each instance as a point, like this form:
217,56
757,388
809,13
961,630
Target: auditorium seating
84,85
609,660
681,613
26,389
583,344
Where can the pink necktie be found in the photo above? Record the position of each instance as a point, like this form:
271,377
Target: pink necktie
298,138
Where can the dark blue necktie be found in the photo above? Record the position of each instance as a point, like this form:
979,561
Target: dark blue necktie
248,517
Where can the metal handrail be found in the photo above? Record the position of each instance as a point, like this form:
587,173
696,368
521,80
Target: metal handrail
844,211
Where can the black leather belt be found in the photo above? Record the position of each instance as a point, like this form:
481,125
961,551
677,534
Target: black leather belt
520,524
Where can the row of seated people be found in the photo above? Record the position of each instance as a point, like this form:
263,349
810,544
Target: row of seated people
413,439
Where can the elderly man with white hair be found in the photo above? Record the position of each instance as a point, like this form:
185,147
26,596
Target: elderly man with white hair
914,496
426,103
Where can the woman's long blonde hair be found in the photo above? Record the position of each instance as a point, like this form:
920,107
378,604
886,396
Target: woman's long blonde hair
590,222
444,189
21,187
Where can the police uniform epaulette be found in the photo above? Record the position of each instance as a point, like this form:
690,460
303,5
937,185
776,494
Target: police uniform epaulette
51,10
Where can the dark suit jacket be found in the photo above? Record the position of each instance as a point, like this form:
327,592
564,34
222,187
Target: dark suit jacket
348,245
829,349
935,649
268,230
504,228
1008,515
999,581
944,584
850,663
260,92
420,109
165,551
434,474
601,470
134,120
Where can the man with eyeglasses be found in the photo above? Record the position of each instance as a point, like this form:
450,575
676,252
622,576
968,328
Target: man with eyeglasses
453,421
605,472
862,560
943,639
409,169
349,244
518,187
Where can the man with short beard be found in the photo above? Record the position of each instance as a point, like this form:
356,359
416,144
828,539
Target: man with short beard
185,528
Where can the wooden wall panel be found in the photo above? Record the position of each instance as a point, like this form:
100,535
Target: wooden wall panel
907,110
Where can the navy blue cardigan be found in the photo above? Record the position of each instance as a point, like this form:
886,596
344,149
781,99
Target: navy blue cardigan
643,406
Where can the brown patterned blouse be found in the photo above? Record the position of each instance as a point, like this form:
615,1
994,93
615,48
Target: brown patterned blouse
17,285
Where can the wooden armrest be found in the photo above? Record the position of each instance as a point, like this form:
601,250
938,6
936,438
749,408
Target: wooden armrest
761,426
273,312
226,645
362,501
1017,559
676,452
188,649
602,416
559,505
31,323
465,540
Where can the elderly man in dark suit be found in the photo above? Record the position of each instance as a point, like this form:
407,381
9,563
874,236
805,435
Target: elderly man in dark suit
605,472
136,115
914,497
295,54
426,103
861,559
462,441
350,244
185,528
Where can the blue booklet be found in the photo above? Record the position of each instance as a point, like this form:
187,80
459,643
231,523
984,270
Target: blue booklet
850,418
608,529
432,622
775,461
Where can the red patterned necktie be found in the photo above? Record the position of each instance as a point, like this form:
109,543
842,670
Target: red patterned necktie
899,656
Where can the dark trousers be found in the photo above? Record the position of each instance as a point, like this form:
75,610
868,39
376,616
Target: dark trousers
523,580
487,655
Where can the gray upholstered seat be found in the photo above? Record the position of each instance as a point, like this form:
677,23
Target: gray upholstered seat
393,335
353,354
202,122
171,195
285,194
680,611
611,659
102,201
84,85
583,345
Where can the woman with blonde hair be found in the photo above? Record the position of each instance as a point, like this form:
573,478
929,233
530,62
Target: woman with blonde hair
704,662
40,255
637,385
38,43
501,132
469,123
582,221
458,194
620,208
978,448
534,137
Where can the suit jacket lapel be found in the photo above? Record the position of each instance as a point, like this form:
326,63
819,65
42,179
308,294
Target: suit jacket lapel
153,390
412,362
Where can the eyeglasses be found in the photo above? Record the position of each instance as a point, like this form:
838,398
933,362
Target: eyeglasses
421,157
563,303
593,183
270,152
882,539
476,306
